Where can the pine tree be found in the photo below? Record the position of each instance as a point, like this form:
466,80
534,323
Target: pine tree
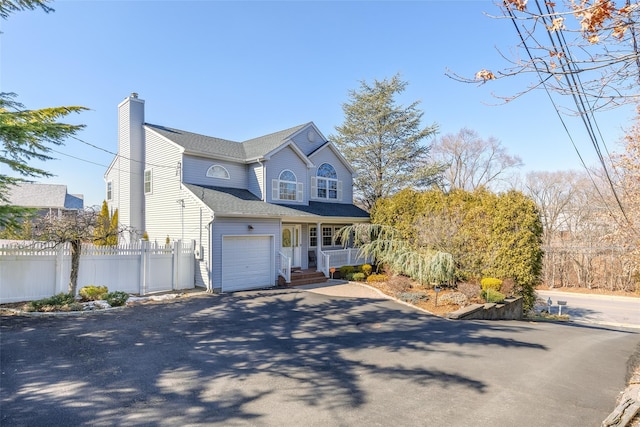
384,141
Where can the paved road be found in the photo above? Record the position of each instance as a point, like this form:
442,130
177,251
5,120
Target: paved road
598,309
292,358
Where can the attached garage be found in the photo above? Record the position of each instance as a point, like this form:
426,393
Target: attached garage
248,262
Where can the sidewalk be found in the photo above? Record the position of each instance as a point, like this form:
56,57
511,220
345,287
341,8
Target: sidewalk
341,288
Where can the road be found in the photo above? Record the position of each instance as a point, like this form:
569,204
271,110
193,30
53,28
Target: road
297,358
598,309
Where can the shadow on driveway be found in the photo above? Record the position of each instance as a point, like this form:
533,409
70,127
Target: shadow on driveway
230,359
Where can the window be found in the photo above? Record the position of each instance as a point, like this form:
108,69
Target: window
217,171
287,187
330,236
327,185
109,190
313,237
147,181
327,236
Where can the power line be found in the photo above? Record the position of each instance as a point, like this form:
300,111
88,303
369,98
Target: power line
574,85
119,155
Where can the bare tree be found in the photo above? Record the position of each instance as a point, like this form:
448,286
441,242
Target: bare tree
75,228
472,162
554,193
584,48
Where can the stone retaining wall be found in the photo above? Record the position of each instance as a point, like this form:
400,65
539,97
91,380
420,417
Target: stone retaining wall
511,309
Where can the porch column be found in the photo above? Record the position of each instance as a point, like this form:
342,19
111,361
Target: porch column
319,259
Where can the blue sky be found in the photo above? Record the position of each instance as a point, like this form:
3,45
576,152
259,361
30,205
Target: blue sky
241,69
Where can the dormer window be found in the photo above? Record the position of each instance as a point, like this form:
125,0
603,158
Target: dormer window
217,171
325,183
287,187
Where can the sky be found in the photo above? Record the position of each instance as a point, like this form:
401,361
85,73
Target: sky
242,69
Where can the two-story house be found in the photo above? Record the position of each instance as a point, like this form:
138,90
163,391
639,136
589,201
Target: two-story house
255,209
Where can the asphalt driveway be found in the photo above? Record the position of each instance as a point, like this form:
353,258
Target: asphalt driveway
292,357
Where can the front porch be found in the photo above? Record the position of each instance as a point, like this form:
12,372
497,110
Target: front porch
328,259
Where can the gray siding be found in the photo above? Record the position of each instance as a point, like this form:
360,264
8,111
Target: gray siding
326,155
171,210
287,159
239,227
195,172
301,139
163,212
256,179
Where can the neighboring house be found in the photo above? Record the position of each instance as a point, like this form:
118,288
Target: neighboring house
250,206
48,199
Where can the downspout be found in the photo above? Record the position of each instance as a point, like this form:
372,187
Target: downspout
210,254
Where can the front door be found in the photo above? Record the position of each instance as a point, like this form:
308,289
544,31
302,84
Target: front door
291,244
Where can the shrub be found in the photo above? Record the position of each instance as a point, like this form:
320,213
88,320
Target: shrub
455,298
358,277
366,269
93,293
117,298
345,270
377,278
412,297
491,283
491,295
399,283
470,290
59,302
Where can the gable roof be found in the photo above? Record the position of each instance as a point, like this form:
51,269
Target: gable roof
201,144
251,149
35,195
258,147
237,202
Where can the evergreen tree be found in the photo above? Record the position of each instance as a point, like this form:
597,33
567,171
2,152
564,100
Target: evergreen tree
28,135
106,228
384,141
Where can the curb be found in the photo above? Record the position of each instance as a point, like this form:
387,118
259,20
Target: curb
627,409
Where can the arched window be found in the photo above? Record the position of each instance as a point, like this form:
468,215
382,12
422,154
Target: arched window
327,182
287,186
217,171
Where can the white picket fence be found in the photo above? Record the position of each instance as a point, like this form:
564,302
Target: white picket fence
35,270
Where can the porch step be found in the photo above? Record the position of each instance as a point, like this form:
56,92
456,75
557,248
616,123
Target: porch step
306,277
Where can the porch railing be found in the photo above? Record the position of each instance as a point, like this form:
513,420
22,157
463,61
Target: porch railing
284,269
341,257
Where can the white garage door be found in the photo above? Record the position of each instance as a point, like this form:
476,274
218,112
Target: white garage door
248,262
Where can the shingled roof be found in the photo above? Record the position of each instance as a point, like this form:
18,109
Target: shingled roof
34,195
233,202
217,147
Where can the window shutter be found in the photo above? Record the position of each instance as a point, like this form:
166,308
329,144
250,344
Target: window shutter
275,189
314,187
300,193
339,191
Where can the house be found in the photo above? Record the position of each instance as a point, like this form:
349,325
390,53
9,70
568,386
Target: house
48,199
256,209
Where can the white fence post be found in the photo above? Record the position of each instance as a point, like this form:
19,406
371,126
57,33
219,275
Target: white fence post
144,266
176,254
58,282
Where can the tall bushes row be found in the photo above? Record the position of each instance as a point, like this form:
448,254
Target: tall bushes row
488,234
